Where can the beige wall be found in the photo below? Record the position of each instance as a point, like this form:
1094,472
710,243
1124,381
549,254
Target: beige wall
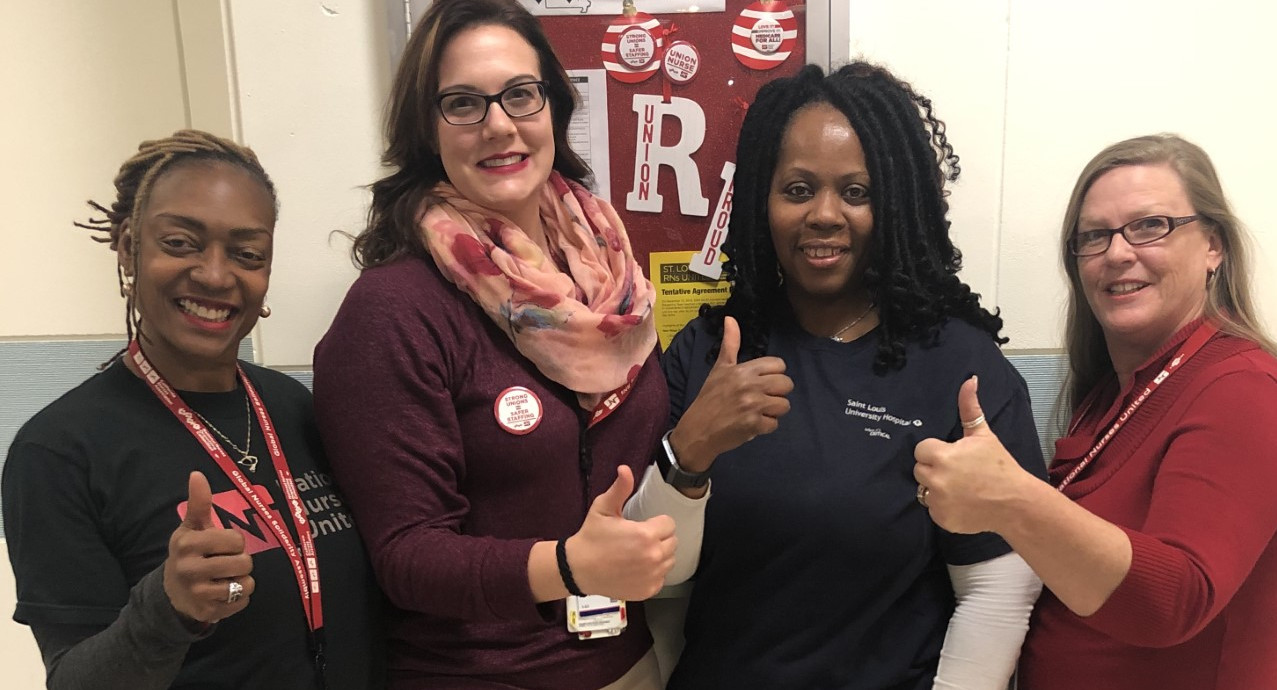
81,91
1031,90
312,79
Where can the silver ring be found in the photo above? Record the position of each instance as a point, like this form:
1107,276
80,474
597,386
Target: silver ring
973,423
234,591
922,495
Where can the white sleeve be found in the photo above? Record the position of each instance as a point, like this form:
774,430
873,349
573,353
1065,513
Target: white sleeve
656,497
995,598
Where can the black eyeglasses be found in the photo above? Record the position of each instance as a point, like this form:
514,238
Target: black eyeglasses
521,100
1137,232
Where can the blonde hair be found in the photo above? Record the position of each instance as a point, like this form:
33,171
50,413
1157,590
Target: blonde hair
1229,300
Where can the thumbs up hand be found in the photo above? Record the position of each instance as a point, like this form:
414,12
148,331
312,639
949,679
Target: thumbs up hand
203,561
967,481
199,503
737,403
621,558
970,415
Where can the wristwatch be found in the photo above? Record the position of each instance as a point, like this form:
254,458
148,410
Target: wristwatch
674,475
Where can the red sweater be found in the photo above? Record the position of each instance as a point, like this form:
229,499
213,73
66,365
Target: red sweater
449,504
1192,479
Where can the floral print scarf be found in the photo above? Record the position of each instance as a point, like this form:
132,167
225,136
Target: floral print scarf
583,316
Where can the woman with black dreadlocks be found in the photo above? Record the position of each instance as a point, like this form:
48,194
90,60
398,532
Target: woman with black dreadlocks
171,519
820,566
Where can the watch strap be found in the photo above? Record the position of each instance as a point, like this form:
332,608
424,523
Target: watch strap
672,473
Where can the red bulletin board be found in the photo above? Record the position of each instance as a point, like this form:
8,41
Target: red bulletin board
722,87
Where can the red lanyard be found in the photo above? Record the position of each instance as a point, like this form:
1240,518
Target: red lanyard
305,563
611,401
1194,343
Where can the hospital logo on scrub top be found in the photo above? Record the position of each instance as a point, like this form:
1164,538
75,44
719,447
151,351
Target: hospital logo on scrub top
518,410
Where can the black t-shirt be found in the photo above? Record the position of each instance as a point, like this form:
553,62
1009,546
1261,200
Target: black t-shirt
819,569
92,485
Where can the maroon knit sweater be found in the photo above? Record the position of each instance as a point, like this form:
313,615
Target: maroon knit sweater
448,502
1192,479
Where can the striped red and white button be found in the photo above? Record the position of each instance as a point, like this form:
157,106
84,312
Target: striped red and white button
764,34
632,46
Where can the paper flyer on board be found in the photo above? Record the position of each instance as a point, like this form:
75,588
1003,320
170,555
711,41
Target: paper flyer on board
588,131
680,292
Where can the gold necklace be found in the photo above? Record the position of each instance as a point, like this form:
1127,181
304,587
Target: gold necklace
837,337
247,461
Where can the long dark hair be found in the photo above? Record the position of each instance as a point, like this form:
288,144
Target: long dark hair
912,264
411,122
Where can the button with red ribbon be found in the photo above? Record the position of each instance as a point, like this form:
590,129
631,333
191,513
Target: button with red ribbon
764,34
632,45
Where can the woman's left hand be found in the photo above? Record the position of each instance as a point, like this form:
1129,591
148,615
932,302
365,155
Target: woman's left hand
966,484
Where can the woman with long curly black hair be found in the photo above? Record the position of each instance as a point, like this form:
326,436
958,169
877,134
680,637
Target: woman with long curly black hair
820,565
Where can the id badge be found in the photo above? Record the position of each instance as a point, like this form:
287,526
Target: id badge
593,616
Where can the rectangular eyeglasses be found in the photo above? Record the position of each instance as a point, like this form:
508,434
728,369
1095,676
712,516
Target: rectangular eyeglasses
1137,232
520,100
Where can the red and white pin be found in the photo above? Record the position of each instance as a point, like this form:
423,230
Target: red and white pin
764,34
632,46
681,62
518,410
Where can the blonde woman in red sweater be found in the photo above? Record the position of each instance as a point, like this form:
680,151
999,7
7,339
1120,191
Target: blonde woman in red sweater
1155,539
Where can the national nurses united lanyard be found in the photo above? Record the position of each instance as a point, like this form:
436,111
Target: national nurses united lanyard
305,563
1191,346
613,400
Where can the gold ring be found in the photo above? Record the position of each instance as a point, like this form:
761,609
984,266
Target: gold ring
922,495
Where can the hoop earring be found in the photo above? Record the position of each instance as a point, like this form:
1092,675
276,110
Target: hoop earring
265,312
125,280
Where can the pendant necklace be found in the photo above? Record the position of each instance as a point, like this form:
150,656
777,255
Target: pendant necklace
248,462
837,337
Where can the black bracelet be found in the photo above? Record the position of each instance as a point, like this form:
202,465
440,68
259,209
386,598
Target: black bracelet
565,572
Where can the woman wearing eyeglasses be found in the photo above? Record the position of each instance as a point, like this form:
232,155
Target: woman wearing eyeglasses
1155,540
489,387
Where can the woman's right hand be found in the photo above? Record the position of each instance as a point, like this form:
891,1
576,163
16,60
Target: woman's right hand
620,558
737,403
202,561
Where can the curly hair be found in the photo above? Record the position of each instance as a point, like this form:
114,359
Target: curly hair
412,148
136,179
912,264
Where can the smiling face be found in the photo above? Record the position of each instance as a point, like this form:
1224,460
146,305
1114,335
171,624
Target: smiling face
502,162
819,211
1142,295
203,266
